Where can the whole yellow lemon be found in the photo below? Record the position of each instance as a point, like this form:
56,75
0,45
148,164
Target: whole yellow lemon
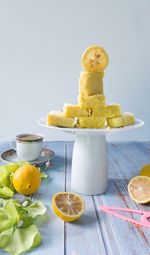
26,180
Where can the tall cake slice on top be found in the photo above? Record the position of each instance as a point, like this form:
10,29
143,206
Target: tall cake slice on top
91,110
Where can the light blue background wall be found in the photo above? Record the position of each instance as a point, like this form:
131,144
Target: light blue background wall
41,43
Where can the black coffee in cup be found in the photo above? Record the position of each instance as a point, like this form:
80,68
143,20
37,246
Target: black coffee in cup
29,138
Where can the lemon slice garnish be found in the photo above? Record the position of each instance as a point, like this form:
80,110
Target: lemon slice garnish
94,59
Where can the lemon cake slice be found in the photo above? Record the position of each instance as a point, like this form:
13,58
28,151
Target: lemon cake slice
91,83
57,118
91,122
91,101
71,111
113,110
99,111
108,111
125,119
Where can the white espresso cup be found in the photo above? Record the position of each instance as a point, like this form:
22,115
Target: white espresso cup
28,146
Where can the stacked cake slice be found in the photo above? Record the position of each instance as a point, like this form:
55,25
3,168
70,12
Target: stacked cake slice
91,111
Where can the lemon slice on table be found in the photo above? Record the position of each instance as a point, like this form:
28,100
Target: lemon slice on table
145,171
139,189
68,206
94,59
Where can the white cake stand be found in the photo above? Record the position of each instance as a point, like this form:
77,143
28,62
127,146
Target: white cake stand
89,160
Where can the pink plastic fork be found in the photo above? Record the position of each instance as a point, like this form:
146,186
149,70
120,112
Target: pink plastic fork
144,220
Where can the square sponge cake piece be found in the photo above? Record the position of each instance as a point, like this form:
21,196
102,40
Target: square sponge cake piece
125,119
91,83
91,101
108,111
57,118
113,110
71,111
91,122
99,111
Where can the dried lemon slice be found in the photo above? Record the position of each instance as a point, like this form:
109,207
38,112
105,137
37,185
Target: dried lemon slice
139,189
68,206
145,171
94,59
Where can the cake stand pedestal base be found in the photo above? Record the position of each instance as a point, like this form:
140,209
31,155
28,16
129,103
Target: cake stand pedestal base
89,165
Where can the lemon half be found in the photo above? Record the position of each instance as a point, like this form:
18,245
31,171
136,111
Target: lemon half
68,206
139,189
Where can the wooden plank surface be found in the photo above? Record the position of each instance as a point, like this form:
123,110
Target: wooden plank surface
53,231
95,233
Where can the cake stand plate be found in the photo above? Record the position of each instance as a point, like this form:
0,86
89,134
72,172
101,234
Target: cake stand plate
89,160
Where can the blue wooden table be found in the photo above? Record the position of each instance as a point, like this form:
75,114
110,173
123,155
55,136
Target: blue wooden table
95,233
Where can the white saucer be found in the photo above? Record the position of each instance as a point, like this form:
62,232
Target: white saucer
10,156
